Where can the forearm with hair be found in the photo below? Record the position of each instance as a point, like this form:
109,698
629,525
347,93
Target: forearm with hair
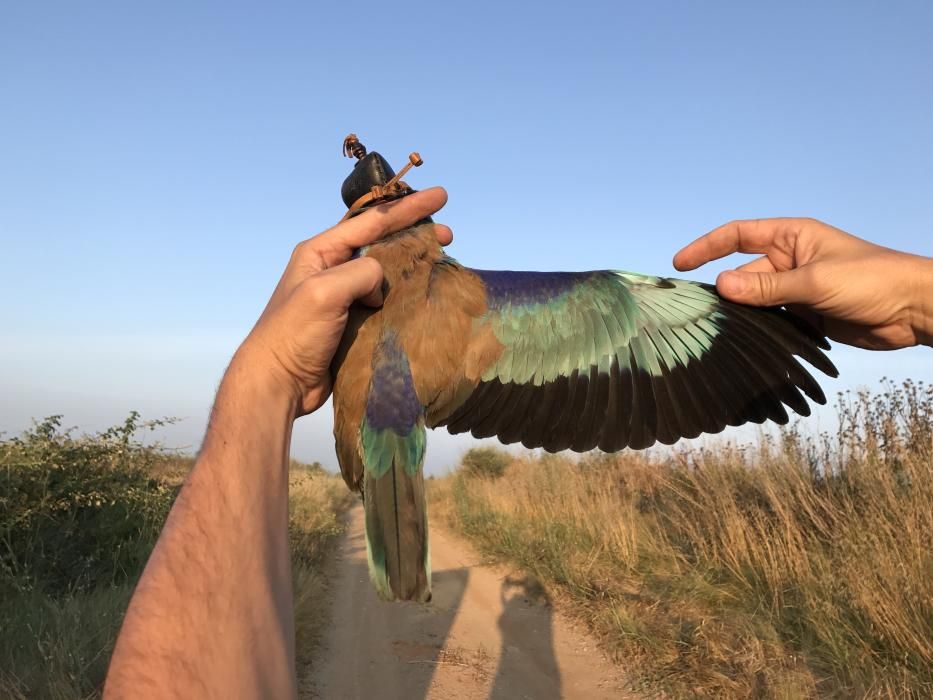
212,613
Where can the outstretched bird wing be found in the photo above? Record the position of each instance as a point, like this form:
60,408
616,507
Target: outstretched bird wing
614,359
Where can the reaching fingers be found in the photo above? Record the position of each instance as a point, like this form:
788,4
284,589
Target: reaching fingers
337,244
765,288
750,236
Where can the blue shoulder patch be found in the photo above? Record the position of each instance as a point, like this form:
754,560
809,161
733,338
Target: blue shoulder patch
392,402
504,287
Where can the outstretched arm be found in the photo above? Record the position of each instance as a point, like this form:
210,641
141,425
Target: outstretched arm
212,613
854,291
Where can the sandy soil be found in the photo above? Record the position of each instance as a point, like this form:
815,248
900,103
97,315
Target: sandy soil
487,633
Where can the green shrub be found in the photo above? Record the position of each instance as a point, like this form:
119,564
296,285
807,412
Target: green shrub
77,512
78,519
486,462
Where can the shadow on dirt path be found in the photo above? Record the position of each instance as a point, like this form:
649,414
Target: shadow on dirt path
485,634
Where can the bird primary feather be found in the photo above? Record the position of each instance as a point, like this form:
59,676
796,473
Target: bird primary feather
559,360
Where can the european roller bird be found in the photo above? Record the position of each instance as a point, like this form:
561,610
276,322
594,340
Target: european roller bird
603,359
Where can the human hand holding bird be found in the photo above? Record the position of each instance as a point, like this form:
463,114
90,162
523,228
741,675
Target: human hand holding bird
297,334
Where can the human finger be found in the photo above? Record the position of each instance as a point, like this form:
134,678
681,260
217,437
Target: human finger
764,288
337,244
741,236
444,235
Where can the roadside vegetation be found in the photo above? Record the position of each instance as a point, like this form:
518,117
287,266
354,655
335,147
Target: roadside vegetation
798,567
78,518
317,501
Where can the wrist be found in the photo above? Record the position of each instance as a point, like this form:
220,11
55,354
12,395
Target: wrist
256,371
921,308
252,396
251,414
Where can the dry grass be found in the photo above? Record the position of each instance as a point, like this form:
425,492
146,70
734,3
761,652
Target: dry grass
317,500
800,567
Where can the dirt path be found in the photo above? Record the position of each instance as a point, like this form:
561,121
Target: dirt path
484,635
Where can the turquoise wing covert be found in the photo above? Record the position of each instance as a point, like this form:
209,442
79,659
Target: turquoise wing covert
614,359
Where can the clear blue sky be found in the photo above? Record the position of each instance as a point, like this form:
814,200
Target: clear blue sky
157,164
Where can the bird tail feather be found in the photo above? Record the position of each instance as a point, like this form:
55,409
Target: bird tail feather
396,515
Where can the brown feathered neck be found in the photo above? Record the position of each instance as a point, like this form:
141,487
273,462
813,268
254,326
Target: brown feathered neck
407,256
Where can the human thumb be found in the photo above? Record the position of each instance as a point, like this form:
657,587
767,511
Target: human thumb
760,288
